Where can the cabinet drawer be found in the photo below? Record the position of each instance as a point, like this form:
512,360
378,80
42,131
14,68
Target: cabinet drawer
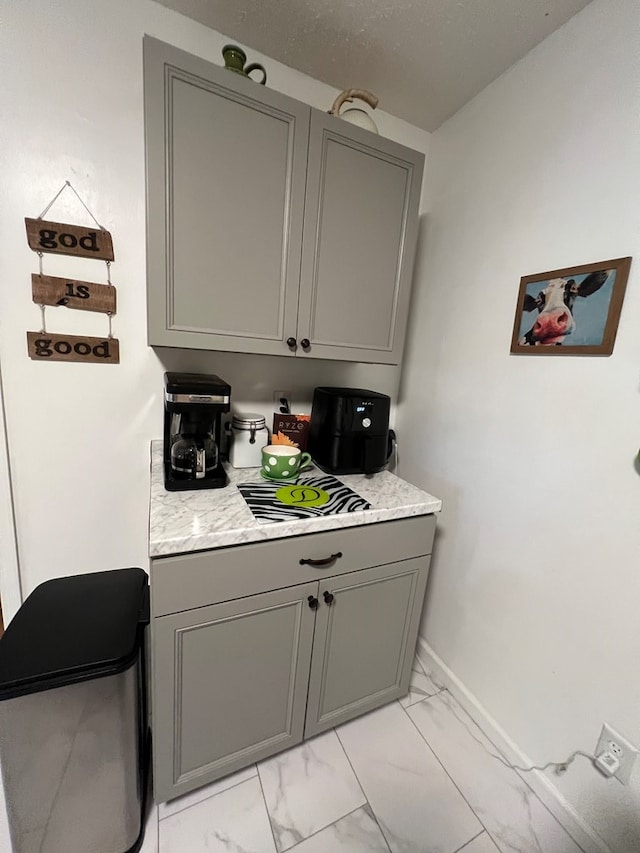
208,577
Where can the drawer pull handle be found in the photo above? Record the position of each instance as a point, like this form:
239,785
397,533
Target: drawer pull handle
319,564
328,597
313,602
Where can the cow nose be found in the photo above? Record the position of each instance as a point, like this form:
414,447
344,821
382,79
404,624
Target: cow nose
552,324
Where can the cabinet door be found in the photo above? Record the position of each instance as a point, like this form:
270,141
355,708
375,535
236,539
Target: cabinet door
364,641
229,685
360,229
226,172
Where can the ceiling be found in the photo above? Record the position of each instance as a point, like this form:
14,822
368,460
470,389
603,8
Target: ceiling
424,59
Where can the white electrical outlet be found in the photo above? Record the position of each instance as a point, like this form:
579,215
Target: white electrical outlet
280,395
611,741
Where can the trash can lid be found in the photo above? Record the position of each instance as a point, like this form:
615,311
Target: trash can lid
74,629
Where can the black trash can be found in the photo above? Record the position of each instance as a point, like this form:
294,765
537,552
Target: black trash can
73,721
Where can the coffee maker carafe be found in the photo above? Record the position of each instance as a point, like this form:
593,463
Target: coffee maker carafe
193,407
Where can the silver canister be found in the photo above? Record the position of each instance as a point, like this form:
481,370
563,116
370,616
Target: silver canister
249,434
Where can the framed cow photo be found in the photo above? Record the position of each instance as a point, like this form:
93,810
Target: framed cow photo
573,311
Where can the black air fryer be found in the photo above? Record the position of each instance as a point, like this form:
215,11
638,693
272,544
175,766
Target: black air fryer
349,430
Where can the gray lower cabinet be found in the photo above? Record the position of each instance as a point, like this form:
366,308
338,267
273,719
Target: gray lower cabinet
230,686
273,642
364,641
272,227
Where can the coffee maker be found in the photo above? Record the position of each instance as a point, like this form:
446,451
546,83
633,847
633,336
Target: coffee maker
193,407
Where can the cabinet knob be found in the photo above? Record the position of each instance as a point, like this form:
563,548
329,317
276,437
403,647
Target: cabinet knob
313,602
291,343
328,597
305,343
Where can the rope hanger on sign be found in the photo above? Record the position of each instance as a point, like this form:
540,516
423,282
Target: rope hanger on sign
66,184
59,193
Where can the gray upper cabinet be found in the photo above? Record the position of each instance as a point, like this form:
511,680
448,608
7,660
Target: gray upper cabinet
360,229
270,222
226,170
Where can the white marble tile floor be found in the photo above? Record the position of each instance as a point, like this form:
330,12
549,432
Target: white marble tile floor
308,788
421,687
512,814
233,820
416,803
413,777
193,797
358,832
480,844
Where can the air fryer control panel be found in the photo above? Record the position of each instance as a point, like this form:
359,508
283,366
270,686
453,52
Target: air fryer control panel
362,415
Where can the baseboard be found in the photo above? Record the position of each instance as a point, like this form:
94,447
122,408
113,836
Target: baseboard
541,785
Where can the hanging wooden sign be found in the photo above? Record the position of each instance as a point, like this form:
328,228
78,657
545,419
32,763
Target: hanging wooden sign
71,293
61,239
45,347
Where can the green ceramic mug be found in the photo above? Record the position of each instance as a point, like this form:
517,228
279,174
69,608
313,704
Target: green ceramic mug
281,462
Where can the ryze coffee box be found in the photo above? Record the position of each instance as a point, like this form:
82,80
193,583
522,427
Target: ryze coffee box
291,429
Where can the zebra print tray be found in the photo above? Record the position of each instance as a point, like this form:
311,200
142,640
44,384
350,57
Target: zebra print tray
267,508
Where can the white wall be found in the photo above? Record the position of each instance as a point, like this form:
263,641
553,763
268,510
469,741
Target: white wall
534,591
79,434
10,582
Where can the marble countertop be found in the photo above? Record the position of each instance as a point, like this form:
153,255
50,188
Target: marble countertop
180,522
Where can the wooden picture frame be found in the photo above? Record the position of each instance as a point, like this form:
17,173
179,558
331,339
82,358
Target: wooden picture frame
554,317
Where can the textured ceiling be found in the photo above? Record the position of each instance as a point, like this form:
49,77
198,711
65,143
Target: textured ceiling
423,58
